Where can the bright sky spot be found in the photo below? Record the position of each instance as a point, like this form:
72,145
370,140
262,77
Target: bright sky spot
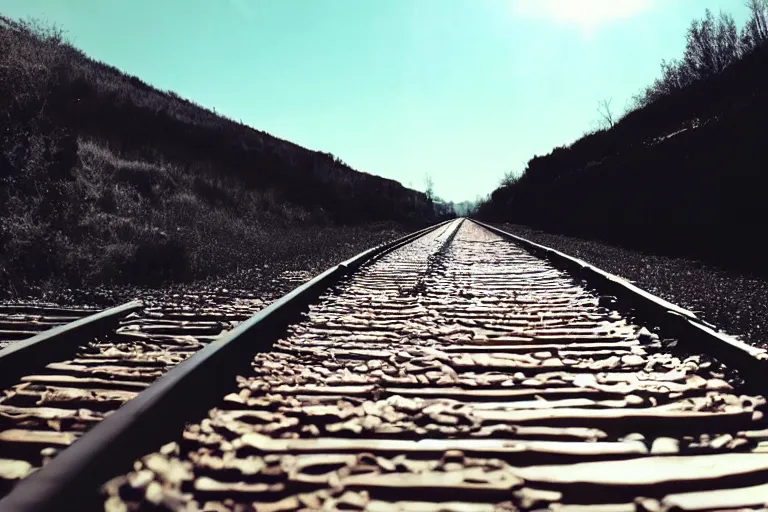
463,90
588,15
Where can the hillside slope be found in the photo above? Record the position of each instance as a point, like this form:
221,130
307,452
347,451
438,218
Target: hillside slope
103,177
686,174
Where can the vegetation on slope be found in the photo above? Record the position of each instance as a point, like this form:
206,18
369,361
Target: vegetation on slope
683,172
104,178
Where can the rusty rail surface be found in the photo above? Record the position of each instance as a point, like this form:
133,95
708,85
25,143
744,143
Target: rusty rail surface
459,370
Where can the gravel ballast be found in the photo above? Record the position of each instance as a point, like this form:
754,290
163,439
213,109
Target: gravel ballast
736,303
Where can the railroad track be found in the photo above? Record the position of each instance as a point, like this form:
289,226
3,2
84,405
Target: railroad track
458,369
61,382
22,321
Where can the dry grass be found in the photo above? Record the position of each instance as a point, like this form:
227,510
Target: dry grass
104,179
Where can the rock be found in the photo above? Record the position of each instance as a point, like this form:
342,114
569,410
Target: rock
665,446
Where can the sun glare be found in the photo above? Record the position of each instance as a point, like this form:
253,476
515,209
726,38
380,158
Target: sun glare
587,14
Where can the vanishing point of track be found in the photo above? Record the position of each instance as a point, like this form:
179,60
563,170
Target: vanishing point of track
458,369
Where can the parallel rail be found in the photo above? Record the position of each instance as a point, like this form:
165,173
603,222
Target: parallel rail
692,331
60,383
19,321
21,357
449,370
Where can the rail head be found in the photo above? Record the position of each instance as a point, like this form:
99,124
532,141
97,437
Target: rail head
185,392
16,359
750,360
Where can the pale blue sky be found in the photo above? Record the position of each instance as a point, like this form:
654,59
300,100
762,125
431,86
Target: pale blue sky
461,89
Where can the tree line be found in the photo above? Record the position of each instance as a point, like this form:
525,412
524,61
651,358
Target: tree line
447,209
681,171
712,44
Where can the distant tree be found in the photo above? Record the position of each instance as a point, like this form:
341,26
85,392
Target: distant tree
443,209
607,119
675,76
468,208
509,179
429,187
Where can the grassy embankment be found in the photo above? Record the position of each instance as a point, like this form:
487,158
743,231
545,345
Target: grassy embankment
105,179
682,173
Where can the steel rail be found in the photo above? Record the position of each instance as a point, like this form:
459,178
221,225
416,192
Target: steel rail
752,362
186,392
21,357
561,399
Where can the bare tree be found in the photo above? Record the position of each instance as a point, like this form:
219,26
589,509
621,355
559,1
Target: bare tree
755,32
759,12
726,40
429,187
509,179
607,118
712,45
